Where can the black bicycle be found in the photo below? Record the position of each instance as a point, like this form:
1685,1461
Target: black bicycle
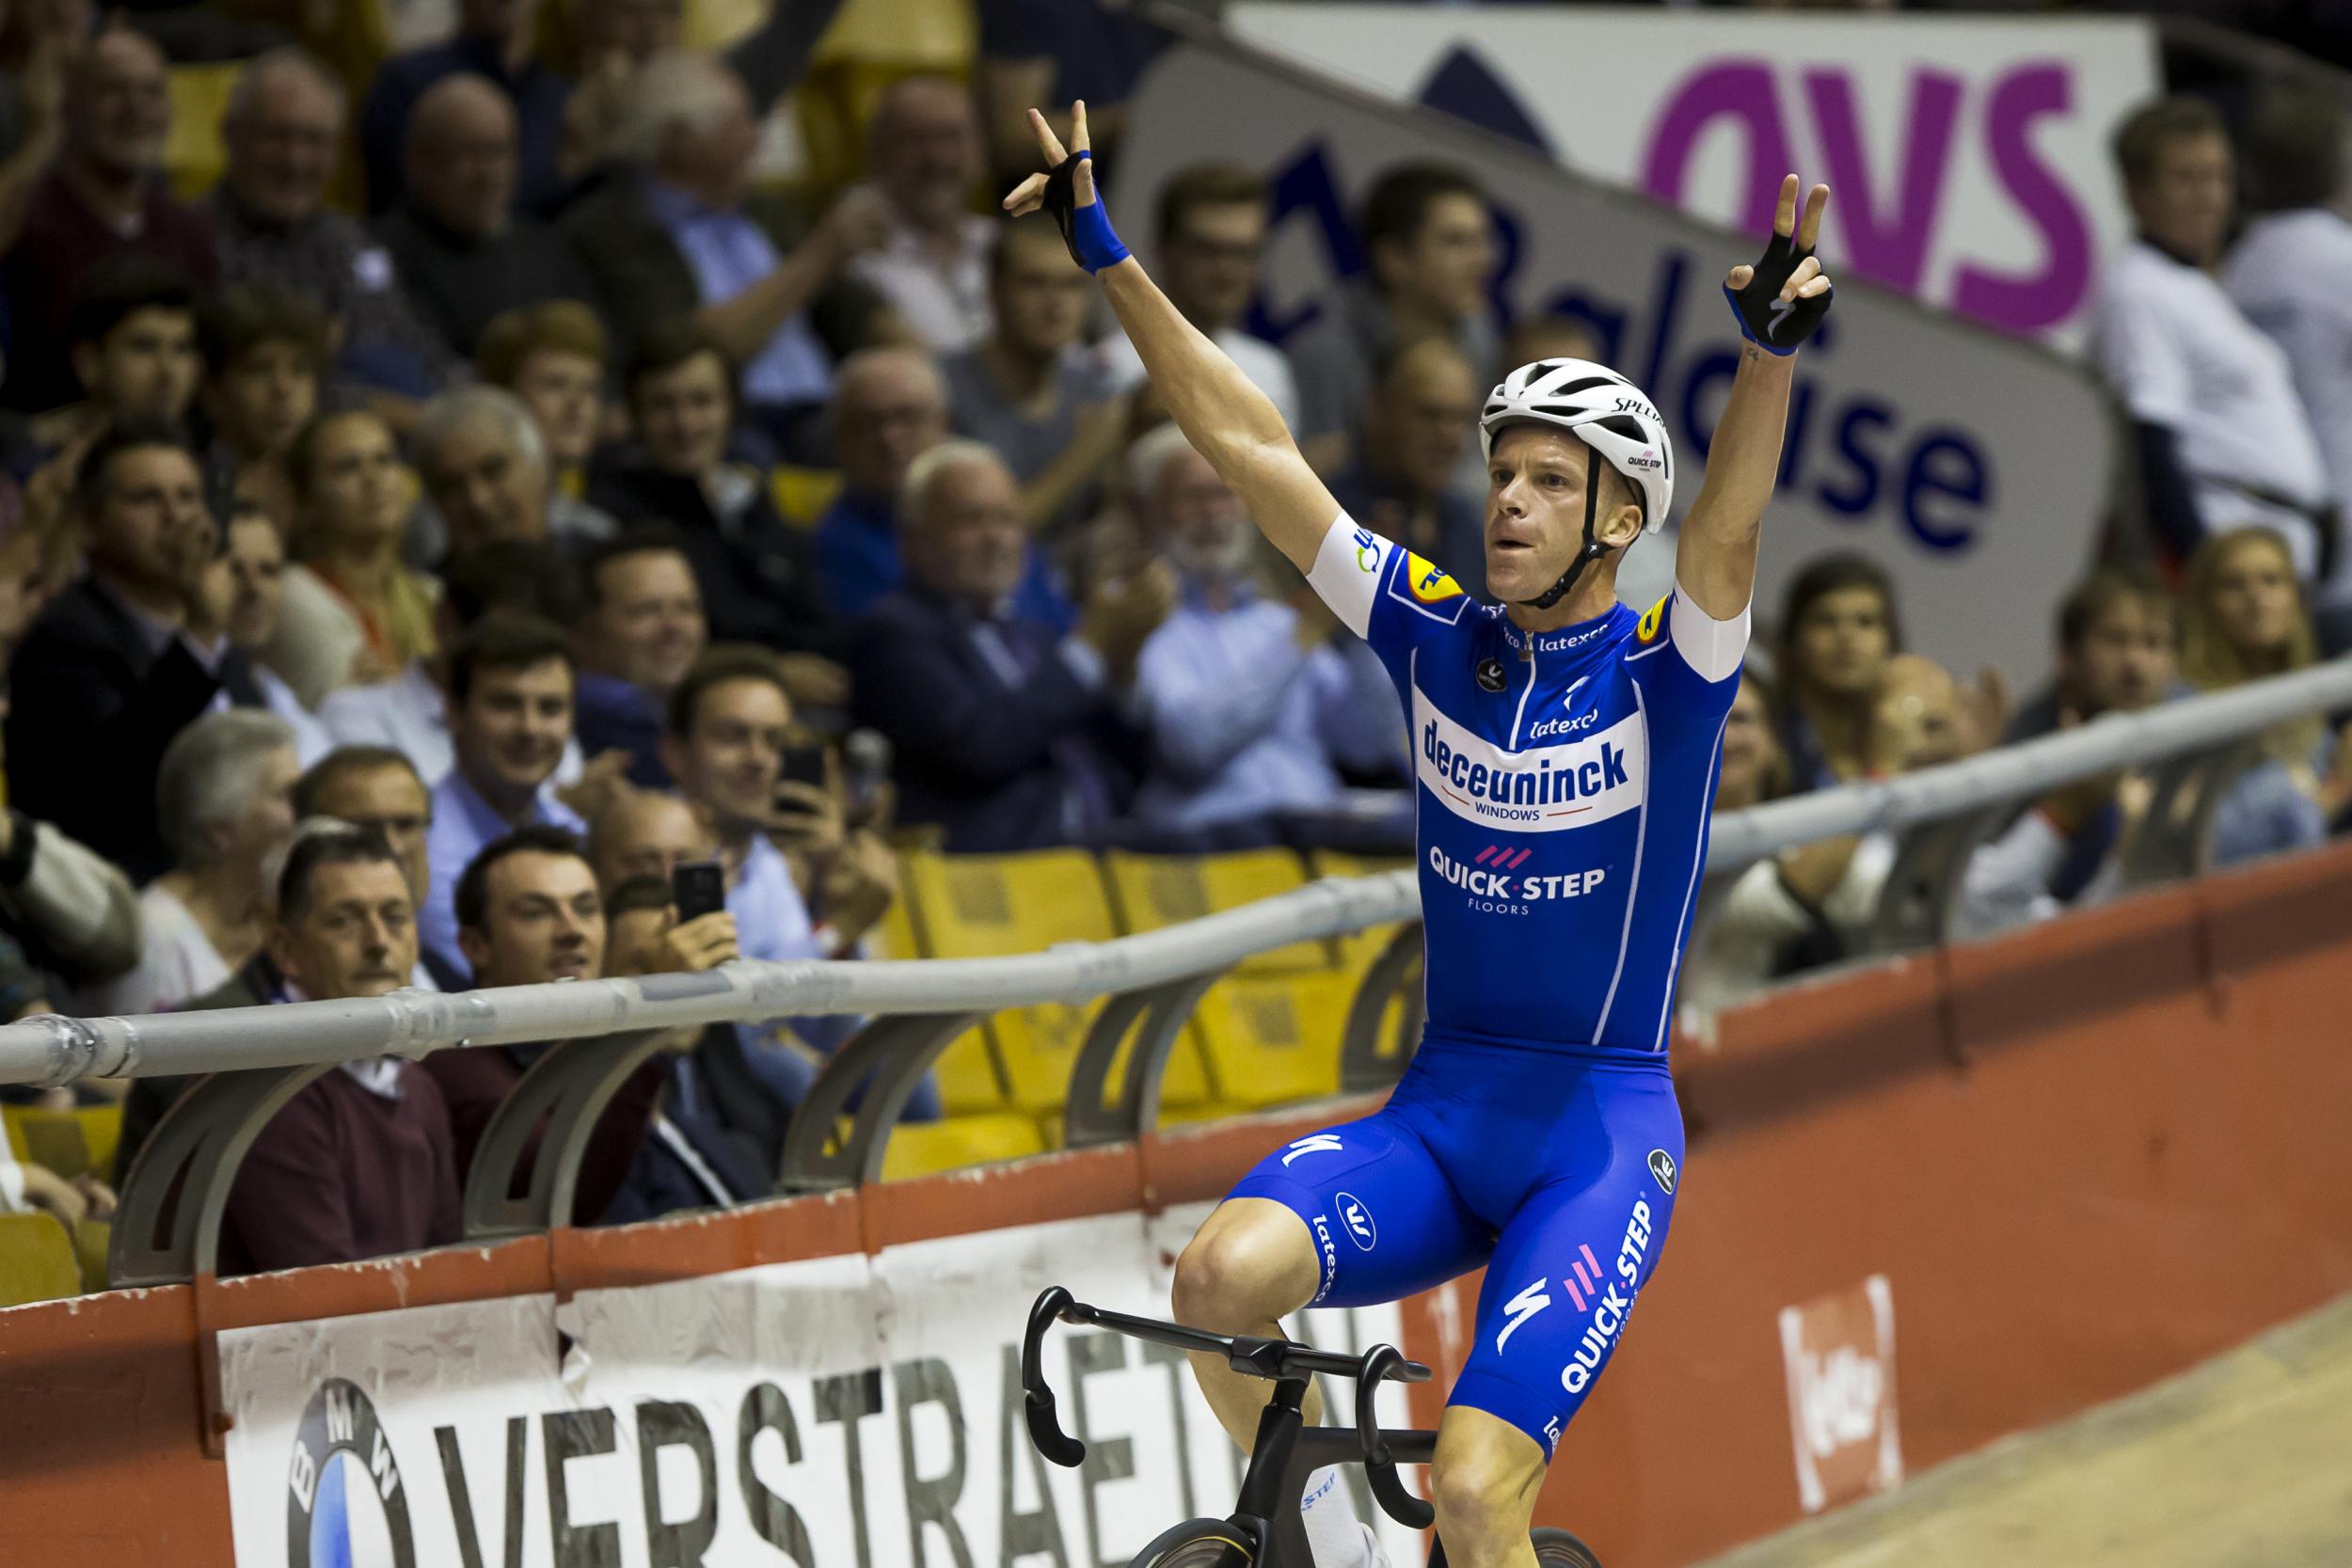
1264,1529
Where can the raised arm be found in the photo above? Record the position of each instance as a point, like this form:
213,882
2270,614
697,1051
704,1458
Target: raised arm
1227,420
1715,560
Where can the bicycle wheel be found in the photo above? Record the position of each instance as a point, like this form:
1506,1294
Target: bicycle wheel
1557,1548
1198,1543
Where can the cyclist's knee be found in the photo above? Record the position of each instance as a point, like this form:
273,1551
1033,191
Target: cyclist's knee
1251,1263
1482,1487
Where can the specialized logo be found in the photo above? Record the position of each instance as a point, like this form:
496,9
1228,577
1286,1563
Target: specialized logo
1781,309
1635,405
1427,581
1538,788
1490,675
1612,1302
1492,878
1653,618
345,1503
1661,1167
1330,1257
1358,1219
1528,1302
1314,1143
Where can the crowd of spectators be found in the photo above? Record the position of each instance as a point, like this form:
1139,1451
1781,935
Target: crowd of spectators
398,591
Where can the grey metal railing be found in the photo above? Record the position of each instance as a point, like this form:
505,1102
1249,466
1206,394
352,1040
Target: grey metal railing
1151,983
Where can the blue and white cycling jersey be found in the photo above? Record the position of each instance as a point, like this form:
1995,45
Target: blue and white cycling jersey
1563,786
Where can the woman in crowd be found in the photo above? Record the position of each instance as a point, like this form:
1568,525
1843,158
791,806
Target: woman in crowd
223,801
355,613
2248,617
1838,631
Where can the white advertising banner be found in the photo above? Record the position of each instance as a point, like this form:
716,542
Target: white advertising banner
1968,154
1973,466
842,1413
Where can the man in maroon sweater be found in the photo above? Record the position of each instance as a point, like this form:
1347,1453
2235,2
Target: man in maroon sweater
528,913
361,1163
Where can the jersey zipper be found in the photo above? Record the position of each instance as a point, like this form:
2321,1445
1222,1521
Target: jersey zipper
1519,716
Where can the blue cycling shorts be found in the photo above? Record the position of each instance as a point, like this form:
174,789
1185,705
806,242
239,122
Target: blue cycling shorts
1555,1168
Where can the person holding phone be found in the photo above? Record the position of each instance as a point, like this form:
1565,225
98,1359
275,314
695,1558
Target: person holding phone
800,882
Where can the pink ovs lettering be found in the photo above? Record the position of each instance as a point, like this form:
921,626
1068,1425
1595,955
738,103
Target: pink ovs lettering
1889,216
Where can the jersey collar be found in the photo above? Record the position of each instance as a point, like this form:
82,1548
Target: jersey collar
1576,637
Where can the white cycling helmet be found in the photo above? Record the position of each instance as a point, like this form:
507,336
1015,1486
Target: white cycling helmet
1607,412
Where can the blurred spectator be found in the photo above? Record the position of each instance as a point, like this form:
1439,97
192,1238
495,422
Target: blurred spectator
253,560
1549,337
376,788
889,407
131,337
408,712
1029,390
355,613
1404,484
510,717
554,357
1250,707
758,573
1429,255
705,1147
1006,735
1046,53
360,1164
2248,618
1212,234
681,232
647,832
222,802
800,882
2223,439
1837,632
493,45
484,462
32,112
105,198
108,672
265,353
282,129
2289,274
529,912
641,631
1752,769
462,255
2118,646
923,147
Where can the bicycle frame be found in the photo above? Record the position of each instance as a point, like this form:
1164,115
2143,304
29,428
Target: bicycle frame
1286,1450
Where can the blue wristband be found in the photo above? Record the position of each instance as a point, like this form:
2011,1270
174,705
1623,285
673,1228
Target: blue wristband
1087,230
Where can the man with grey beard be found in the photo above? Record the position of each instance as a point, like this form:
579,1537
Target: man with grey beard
1253,708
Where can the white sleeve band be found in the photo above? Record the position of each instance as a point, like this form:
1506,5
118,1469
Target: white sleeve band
1347,572
1713,648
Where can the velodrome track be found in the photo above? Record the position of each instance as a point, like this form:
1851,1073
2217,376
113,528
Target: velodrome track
2242,1462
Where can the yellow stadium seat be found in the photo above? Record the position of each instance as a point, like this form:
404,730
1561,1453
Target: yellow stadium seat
68,1142
92,1239
991,906
966,1071
192,153
37,1260
1152,891
802,495
919,1149
1275,1038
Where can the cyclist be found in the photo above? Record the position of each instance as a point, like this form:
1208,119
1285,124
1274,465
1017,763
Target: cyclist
1566,751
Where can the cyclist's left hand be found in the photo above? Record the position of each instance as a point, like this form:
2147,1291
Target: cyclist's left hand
1782,298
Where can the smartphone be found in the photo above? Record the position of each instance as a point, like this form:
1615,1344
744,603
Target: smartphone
698,888
804,765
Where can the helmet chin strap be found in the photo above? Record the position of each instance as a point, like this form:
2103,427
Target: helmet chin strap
1594,549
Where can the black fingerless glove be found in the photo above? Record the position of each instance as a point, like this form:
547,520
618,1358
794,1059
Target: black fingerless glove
1775,324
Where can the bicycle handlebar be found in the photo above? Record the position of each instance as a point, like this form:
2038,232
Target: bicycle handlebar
1244,1353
